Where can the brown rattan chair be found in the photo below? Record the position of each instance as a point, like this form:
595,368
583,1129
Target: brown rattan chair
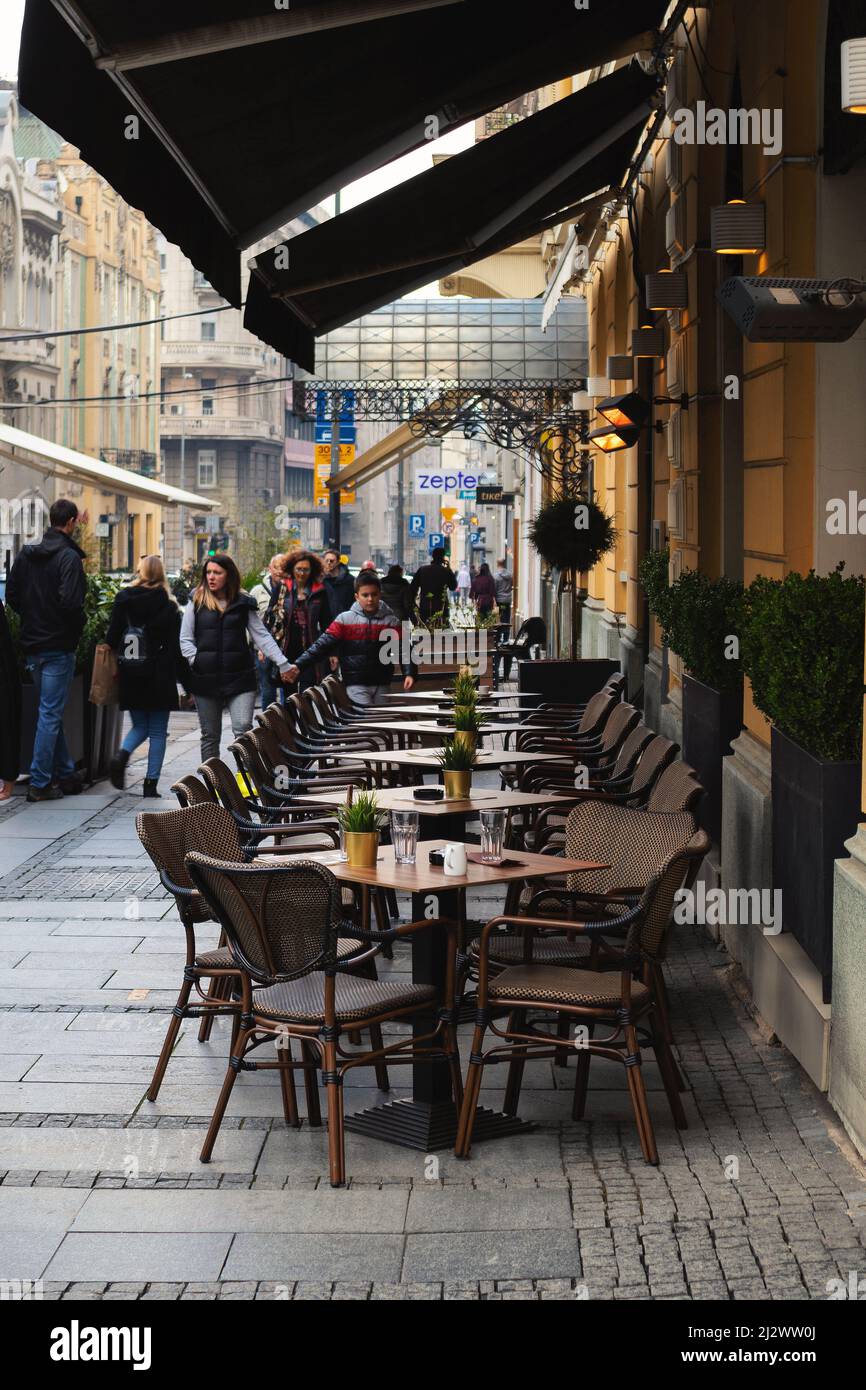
190,791
677,789
223,785
590,998
283,926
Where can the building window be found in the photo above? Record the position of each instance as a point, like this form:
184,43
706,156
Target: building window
208,331
207,468
208,383
163,260
107,228
207,405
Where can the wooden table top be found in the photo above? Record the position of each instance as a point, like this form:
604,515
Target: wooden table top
423,877
426,757
425,712
481,799
448,696
430,726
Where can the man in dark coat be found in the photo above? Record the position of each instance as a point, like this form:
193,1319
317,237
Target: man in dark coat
46,588
431,586
10,710
339,586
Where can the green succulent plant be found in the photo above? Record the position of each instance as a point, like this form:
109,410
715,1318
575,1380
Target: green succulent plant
468,720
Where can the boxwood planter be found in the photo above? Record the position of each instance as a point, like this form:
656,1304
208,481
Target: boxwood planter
712,719
816,807
92,733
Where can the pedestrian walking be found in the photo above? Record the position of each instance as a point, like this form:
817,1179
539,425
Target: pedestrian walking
464,583
266,594
144,631
295,619
339,585
358,637
504,581
430,588
483,590
219,636
10,710
46,589
397,593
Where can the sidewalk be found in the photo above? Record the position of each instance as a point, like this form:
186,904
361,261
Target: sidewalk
102,1194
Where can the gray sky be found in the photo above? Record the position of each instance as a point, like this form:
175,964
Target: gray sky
11,15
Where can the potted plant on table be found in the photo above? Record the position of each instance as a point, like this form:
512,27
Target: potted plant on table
465,691
803,653
457,759
701,619
361,821
467,723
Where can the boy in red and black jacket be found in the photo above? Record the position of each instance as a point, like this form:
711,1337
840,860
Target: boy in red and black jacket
359,637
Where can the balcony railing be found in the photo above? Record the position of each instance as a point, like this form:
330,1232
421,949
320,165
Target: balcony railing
136,460
251,356
217,427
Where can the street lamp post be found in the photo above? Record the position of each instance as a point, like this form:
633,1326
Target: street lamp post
185,376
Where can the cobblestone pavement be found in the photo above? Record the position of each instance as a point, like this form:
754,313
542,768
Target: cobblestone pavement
102,1195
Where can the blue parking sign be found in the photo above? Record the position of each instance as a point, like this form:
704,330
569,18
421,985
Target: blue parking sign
435,541
417,525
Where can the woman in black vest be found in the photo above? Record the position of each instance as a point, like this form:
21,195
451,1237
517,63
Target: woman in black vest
143,630
220,634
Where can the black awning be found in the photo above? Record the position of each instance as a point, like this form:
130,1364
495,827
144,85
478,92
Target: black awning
472,205
235,141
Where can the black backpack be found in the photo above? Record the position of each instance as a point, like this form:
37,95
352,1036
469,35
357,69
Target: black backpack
134,652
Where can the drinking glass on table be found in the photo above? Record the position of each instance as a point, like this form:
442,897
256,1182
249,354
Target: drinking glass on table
404,836
492,835
344,853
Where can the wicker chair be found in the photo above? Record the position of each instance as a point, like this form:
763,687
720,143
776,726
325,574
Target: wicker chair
168,836
192,792
678,789
224,786
283,926
587,997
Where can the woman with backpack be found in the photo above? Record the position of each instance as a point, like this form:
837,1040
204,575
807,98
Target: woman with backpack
143,631
219,637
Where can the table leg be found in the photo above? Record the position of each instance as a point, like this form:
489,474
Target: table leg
429,1120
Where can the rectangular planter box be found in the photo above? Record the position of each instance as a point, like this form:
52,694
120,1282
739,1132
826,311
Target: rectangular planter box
92,732
711,721
571,682
816,807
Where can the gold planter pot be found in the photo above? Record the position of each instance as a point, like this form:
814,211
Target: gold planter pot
466,736
458,785
362,848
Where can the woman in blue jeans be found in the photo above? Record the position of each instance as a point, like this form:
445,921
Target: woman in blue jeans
144,631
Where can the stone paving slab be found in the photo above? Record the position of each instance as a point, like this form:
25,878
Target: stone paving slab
111,1150
443,1209
325,1212
96,1099
25,1254
133,1256
512,1254
286,1257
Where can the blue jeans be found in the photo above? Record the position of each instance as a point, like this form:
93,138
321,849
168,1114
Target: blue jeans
269,692
52,674
152,725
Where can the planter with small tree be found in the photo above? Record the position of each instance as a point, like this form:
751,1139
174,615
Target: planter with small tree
571,535
803,646
701,619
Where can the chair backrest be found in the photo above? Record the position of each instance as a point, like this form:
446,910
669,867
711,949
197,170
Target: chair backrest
616,685
631,749
533,632
634,844
191,792
319,700
276,730
337,692
262,762
598,707
677,789
657,755
281,921
224,786
168,836
621,721
679,870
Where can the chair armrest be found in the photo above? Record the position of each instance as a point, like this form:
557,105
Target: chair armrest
175,887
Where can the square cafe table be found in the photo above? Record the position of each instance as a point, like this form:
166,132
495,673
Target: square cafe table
428,1120
449,815
425,759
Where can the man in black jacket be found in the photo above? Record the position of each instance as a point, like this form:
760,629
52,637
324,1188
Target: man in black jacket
431,586
46,589
339,586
